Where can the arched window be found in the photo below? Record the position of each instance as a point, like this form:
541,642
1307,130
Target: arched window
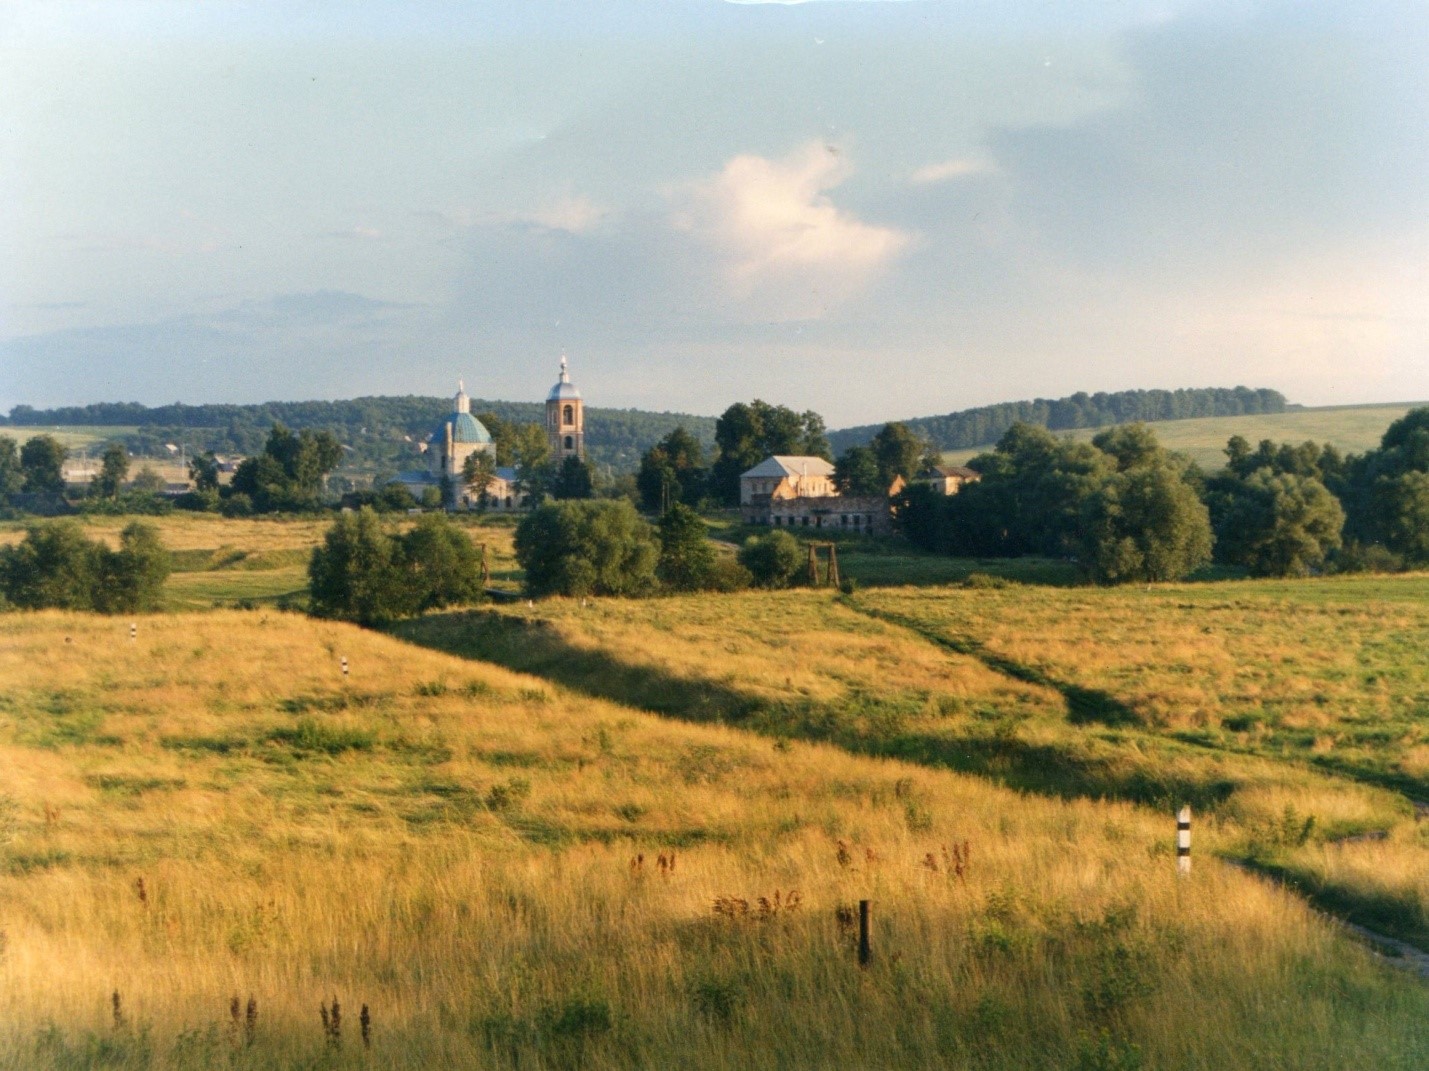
570,414
570,442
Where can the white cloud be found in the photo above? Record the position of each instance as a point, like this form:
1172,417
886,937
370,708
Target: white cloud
576,215
950,169
774,226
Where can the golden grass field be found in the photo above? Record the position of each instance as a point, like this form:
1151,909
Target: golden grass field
454,845
450,835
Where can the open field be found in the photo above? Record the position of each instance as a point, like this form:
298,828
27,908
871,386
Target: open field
213,811
1294,716
1351,428
74,437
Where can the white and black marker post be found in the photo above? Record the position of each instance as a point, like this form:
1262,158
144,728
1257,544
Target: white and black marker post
1183,841
133,631
344,666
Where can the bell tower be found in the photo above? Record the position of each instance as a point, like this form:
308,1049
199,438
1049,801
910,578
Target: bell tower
565,418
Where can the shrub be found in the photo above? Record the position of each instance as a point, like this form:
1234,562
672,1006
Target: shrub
773,560
687,560
57,566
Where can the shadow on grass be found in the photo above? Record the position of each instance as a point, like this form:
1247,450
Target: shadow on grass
1083,704
864,724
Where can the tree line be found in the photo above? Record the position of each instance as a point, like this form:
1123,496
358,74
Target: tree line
1127,509
986,424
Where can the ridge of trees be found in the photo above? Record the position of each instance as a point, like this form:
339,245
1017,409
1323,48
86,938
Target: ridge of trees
986,424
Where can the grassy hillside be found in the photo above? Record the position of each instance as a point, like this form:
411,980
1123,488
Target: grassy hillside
74,437
1352,428
1291,714
213,812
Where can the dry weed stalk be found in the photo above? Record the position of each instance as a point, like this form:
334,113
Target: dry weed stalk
250,1020
364,1020
637,864
844,857
666,864
141,891
118,1007
332,1022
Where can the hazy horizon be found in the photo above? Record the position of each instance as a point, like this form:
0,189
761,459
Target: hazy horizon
875,210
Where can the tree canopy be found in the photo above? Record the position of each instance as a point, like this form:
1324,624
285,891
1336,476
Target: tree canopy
591,547
748,433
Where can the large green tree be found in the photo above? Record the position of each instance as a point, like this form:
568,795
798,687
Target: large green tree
1280,524
42,461
673,470
1144,523
57,566
356,575
856,472
113,470
440,565
1388,489
12,476
572,479
593,547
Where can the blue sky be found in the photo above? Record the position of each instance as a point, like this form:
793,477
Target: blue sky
873,209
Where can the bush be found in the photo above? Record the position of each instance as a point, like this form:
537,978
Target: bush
362,574
587,547
773,560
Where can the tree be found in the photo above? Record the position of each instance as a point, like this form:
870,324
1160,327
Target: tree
1388,489
687,560
57,566
899,453
54,566
12,475
856,472
673,470
113,470
1145,523
1280,524
530,454
439,564
42,460
572,480
289,474
590,547
774,560
203,471
147,481
132,579
355,575
478,471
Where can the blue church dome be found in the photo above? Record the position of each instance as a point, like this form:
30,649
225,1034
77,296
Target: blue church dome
465,429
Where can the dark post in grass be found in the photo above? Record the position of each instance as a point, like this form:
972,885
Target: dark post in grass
865,949
1183,841
485,568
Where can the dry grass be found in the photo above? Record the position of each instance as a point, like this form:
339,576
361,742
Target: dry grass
459,848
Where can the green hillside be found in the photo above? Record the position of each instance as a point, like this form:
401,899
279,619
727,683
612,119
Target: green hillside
1352,428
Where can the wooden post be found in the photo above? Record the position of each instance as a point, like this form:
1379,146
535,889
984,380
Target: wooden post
1183,841
834,580
865,948
813,567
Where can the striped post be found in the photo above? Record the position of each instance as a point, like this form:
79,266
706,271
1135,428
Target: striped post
344,665
865,944
133,631
1183,841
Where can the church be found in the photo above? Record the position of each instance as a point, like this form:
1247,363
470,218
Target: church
460,436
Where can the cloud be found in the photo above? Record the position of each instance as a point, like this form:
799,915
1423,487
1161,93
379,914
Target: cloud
575,215
773,226
950,169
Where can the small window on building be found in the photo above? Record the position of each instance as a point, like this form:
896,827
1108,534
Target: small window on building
570,442
569,414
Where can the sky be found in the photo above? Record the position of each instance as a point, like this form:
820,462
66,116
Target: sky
871,208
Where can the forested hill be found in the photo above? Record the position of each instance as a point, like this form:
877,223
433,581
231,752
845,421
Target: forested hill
984,425
377,429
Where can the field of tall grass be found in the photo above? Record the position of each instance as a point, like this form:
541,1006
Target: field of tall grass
1293,716
508,872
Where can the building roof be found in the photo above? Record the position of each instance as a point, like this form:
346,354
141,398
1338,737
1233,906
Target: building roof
781,465
960,471
564,390
465,429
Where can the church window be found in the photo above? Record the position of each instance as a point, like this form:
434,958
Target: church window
570,442
570,414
